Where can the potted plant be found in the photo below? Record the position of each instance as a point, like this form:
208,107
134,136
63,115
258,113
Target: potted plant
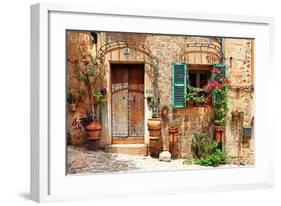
173,130
218,86
219,129
71,101
220,111
189,96
196,96
154,125
89,71
92,127
236,115
164,111
199,101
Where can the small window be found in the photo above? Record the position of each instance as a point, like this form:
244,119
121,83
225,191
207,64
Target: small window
199,75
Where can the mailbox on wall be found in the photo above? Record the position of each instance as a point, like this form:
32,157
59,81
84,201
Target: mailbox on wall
247,133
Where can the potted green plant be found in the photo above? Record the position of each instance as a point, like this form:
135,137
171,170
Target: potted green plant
71,101
196,96
199,101
90,70
92,127
173,128
220,116
154,124
189,96
164,111
219,129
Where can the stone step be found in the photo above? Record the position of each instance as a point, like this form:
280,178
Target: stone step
132,149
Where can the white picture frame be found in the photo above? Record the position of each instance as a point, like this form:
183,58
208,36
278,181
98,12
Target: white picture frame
48,179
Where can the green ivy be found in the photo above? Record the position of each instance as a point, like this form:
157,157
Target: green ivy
214,159
206,151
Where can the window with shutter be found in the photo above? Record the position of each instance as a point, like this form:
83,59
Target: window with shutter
179,85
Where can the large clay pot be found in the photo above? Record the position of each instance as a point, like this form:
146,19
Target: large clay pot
155,146
219,130
154,127
93,131
154,123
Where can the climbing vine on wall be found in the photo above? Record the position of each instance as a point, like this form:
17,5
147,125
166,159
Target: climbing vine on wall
89,70
219,85
154,76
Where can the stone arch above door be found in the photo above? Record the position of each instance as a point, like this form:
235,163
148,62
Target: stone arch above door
119,46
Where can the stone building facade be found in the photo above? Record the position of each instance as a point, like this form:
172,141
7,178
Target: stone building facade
119,49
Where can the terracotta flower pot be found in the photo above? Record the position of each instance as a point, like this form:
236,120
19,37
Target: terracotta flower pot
154,126
173,134
164,113
154,123
190,103
173,130
219,130
93,131
200,105
72,107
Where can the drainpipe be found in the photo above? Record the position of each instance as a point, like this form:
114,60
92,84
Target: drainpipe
222,62
222,50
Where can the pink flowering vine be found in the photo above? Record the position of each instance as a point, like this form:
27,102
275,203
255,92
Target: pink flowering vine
216,70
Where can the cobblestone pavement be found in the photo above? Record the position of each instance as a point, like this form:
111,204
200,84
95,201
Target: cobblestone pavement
83,161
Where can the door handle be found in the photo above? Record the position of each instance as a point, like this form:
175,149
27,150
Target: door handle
134,99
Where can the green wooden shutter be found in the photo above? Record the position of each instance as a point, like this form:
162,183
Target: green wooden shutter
223,70
179,85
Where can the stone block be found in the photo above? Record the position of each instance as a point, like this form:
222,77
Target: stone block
165,156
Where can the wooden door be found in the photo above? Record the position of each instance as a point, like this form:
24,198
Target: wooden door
127,100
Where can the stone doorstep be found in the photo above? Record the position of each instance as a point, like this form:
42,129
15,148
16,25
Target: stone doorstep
131,149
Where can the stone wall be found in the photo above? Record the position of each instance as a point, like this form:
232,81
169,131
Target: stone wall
239,58
78,45
238,54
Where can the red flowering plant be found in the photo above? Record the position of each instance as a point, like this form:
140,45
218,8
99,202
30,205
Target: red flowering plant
218,85
218,81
